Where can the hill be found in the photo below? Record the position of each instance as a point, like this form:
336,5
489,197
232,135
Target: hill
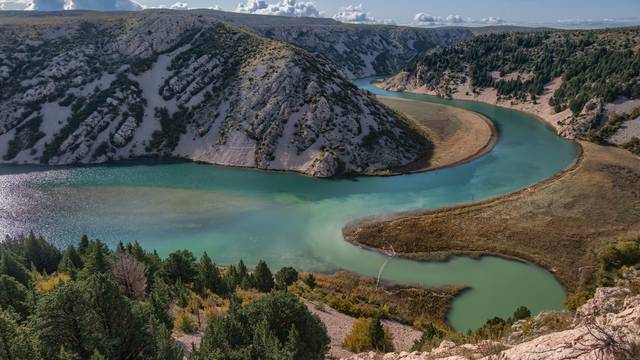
582,77
96,87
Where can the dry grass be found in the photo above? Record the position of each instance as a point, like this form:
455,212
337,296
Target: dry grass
358,297
457,135
557,224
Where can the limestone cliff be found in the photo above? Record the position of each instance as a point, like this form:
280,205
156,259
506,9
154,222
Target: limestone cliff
105,87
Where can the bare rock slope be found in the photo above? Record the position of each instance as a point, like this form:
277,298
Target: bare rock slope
103,87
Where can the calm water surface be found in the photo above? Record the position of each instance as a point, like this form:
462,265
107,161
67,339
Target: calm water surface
288,219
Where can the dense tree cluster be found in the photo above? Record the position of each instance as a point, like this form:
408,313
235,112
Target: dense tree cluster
593,64
91,302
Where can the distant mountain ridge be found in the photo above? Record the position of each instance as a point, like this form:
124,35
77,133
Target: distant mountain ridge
96,87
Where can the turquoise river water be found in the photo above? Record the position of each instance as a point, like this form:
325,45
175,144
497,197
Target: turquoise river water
288,219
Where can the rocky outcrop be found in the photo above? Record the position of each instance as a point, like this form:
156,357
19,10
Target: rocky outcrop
606,327
168,84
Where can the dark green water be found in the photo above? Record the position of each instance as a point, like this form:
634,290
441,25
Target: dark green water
288,219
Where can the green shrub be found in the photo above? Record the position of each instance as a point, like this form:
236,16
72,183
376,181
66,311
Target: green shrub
368,334
278,326
184,323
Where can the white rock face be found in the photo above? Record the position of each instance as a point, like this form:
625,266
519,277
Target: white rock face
606,327
188,86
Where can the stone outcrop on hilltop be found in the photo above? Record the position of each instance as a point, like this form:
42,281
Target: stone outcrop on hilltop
105,87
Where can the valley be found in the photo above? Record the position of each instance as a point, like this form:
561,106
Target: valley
457,191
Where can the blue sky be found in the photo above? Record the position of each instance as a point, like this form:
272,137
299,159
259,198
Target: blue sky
558,13
512,11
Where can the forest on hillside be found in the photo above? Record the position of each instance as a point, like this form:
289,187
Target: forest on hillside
592,63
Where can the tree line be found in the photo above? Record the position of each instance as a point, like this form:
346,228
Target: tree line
91,302
592,64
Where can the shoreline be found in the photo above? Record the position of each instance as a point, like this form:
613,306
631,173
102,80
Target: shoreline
446,255
485,149
550,122
163,160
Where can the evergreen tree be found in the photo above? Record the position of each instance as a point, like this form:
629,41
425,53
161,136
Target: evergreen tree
277,326
378,337
71,262
208,275
16,341
64,319
263,277
95,260
83,245
180,265
43,255
14,295
164,347
285,277
160,302
310,280
10,266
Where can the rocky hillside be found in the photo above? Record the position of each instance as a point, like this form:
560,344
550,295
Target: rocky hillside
606,327
365,50
575,79
95,87
358,50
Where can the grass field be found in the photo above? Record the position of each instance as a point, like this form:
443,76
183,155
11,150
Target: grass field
457,135
559,224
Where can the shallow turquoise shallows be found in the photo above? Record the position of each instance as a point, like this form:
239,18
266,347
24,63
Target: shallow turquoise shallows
288,219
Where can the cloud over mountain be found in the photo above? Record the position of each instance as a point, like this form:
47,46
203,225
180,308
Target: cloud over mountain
281,8
57,5
354,14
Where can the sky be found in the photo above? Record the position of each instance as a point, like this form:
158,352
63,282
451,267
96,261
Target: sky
556,13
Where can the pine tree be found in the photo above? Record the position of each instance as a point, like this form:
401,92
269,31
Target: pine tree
310,280
14,295
10,266
285,277
378,336
71,262
164,347
16,341
208,275
95,261
160,301
263,277
83,245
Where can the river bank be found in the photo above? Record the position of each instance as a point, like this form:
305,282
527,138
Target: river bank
557,224
540,108
457,135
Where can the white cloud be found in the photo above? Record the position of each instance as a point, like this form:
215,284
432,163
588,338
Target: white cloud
179,6
426,19
493,20
354,14
455,19
281,8
57,5
215,7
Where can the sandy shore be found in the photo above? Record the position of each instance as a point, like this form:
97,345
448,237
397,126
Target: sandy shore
458,135
541,109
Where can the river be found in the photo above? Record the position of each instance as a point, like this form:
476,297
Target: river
288,219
